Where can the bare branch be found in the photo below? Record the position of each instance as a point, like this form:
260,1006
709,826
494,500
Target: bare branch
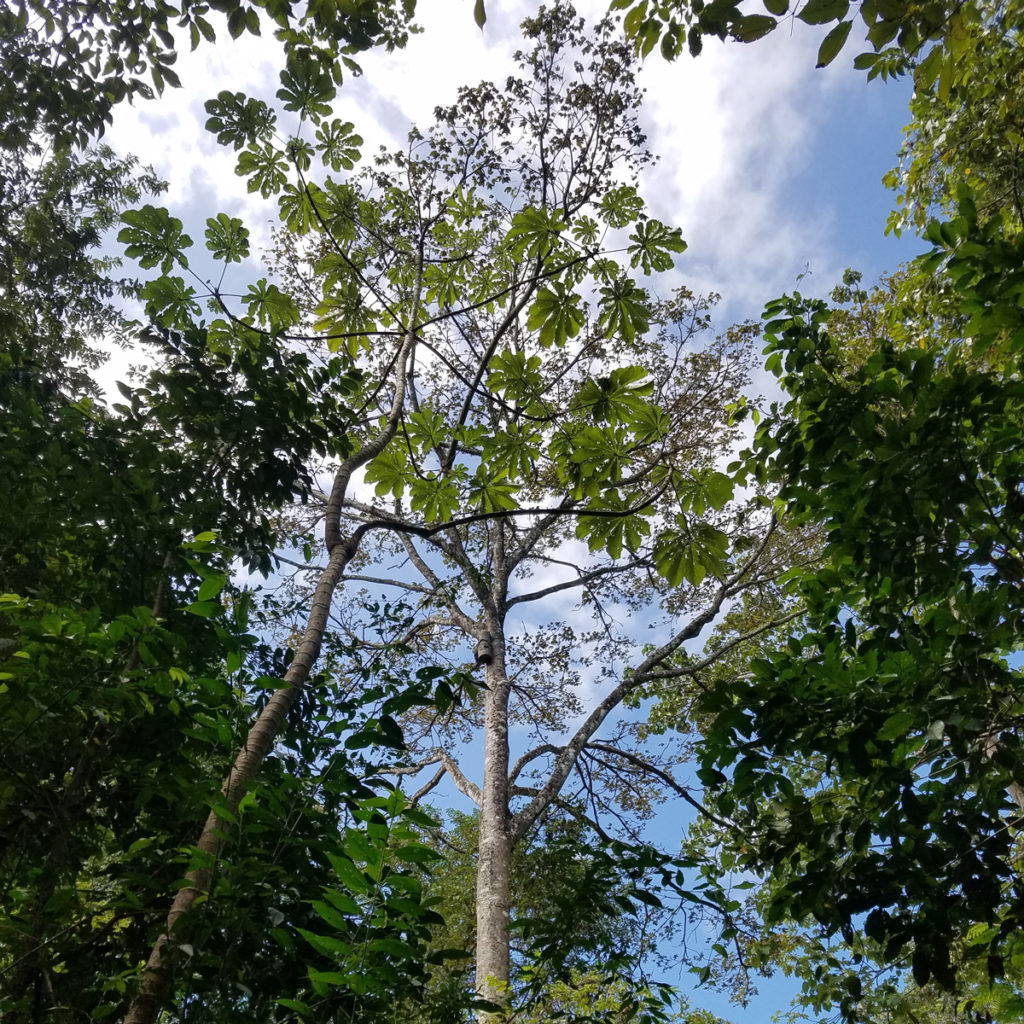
581,581
462,784
531,755
427,787
720,651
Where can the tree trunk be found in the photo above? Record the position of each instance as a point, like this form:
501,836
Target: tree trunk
158,975
495,846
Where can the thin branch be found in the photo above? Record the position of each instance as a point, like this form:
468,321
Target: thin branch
531,755
646,766
462,784
581,581
427,787
719,652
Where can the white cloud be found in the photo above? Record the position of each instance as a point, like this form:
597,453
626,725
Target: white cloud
731,128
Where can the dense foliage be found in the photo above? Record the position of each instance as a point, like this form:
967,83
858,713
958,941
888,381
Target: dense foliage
461,342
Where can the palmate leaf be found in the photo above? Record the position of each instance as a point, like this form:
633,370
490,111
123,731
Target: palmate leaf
515,375
426,429
442,284
621,206
389,471
513,451
344,311
533,233
170,302
653,245
433,496
154,238
690,552
266,169
556,314
592,457
299,153
238,121
268,305
227,238
618,397
613,533
625,309
338,144
301,207
306,87
490,493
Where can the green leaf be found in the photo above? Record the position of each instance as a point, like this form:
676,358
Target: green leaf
653,243
479,13
818,12
154,238
389,471
227,238
301,208
239,122
490,493
268,305
896,726
266,169
293,1004
348,874
415,853
436,497
624,309
556,314
211,587
338,144
620,206
394,947
751,27
533,233
306,87
833,43
170,302
616,398
328,945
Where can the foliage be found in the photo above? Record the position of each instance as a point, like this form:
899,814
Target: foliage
72,61
521,388
937,41
968,130
899,697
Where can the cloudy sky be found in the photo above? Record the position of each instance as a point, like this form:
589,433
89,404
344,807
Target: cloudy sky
771,168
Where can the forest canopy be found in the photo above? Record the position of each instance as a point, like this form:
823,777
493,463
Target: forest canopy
468,488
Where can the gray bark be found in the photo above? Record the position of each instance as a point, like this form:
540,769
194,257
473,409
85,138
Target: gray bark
158,975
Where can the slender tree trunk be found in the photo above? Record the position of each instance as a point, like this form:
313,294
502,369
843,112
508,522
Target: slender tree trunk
158,975
495,846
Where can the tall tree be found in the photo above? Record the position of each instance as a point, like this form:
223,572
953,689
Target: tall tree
536,415
520,388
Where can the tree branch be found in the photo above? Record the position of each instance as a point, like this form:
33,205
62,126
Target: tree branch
462,784
646,766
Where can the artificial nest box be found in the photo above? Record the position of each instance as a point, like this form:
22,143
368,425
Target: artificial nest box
482,652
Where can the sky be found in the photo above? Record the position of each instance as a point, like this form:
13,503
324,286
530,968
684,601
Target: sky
771,168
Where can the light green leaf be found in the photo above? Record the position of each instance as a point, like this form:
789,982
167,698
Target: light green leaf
227,238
